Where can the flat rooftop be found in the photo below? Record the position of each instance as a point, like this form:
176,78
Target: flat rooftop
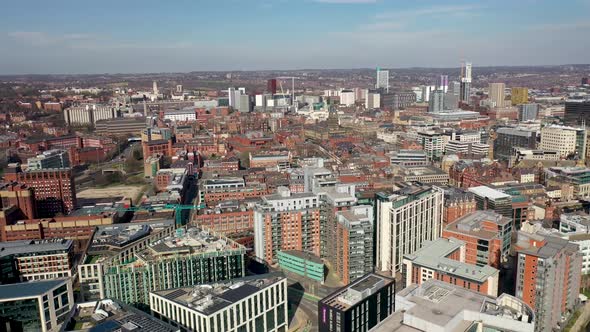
438,303
348,296
191,241
29,289
210,298
25,247
484,191
433,255
471,224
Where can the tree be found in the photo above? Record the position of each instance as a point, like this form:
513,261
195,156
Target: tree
137,155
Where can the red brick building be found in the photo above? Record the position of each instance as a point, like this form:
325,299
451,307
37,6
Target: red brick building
486,235
55,190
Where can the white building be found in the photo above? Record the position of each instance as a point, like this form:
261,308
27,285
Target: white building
406,219
251,304
382,79
347,98
183,115
565,140
373,100
89,114
576,228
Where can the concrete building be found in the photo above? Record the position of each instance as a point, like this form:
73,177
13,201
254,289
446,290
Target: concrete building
436,306
444,260
408,158
182,115
89,114
347,98
251,304
406,218
245,104
433,143
359,306
303,264
287,221
519,95
548,275
36,260
436,102
486,235
566,140
49,159
373,100
496,92
36,306
382,80
190,257
423,174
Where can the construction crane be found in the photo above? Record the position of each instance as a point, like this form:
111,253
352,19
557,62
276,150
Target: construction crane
178,210
292,86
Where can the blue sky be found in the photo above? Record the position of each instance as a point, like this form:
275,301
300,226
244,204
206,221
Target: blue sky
116,36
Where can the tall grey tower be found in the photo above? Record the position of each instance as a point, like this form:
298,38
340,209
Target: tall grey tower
155,87
465,93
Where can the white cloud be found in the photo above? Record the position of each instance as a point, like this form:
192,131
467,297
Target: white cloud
430,11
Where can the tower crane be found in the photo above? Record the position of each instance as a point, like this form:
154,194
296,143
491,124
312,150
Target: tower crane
292,86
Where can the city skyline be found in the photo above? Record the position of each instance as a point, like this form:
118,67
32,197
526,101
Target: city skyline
229,35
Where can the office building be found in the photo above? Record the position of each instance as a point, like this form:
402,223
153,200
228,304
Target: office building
347,97
89,114
21,196
577,177
509,138
444,260
287,221
450,102
438,306
433,144
271,86
55,189
36,260
190,257
567,141
397,100
528,112
350,242
492,199
245,104
455,89
496,93
121,126
252,304
486,235
548,275
465,85
183,115
359,306
41,306
436,102
382,80
519,95
49,159
408,158
116,244
373,100
406,218
577,112
302,263
444,83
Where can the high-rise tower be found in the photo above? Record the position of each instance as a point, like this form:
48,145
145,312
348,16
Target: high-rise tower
382,79
155,88
465,93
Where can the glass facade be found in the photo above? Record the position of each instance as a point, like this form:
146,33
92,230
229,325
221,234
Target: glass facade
20,315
